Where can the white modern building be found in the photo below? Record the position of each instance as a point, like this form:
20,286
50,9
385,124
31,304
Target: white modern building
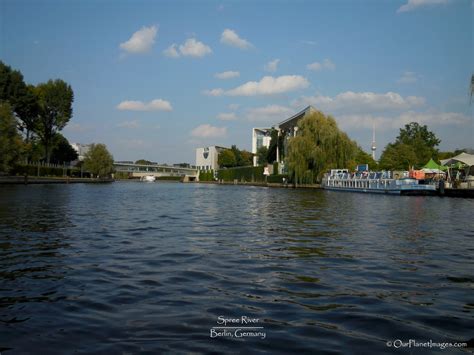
260,138
206,158
81,149
288,128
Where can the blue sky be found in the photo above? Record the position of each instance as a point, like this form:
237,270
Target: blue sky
157,79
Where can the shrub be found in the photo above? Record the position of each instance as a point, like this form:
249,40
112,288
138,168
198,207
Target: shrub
243,174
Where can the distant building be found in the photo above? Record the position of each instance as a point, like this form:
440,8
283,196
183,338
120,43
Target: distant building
260,138
288,127
206,158
81,149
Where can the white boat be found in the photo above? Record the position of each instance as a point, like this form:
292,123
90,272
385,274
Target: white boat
148,178
374,182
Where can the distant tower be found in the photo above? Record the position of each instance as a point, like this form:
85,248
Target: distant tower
374,147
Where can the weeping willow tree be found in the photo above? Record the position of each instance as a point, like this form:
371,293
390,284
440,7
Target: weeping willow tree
319,146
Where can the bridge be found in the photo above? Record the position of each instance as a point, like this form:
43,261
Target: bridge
139,170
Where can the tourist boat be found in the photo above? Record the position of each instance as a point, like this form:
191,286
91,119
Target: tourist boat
374,182
148,178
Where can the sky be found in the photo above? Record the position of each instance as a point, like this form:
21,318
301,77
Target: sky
156,79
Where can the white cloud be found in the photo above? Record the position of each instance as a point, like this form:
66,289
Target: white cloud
129,124
231,38
408,77
233,107
227,74
154,105
361,102
208,131
214,92
227,116
268,85
326,64
194,48
414,4
141,41
383,123
171,51
269,113
76,127
272,66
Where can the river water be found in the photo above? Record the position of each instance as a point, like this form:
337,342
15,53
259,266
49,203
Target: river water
129,268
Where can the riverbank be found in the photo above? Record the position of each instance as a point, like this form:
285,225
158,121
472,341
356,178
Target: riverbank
259,184
27,180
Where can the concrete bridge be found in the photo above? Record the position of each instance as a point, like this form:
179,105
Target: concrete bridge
139,170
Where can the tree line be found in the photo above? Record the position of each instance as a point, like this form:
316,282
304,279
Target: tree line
31,119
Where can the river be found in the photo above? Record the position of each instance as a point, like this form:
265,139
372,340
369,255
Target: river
162,267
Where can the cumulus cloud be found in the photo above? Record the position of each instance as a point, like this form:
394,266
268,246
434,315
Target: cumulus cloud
227,74
214,92
272,66
408,77
129,124
414,4
227,116
194,48
326,64
231,38
141,41
361,102
269,113
154,105
268,85
208,131
171,51
383,122
233,107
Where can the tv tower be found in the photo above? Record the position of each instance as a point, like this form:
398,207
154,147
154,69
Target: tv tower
374,147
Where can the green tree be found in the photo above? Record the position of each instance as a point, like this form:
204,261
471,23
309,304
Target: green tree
21,97
262,154
11,144
423,142
226,159
62,151
398,156
143,162
365,158
246,158
319,146
55,110
98,161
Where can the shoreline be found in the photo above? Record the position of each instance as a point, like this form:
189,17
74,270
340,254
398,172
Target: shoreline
34,180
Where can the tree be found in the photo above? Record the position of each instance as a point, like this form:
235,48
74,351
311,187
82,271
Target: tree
21,97
319,146
62,151
262,154
98,161
365,158
226,159
246,158
11,144
55,110
143,162
423,142
398,156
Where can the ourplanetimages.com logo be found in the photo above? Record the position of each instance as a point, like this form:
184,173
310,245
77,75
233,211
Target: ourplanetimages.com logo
242,327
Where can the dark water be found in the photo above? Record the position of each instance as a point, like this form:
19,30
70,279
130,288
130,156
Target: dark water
131,268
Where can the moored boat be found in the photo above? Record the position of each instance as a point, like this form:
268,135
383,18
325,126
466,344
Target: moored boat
148,178
374,182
